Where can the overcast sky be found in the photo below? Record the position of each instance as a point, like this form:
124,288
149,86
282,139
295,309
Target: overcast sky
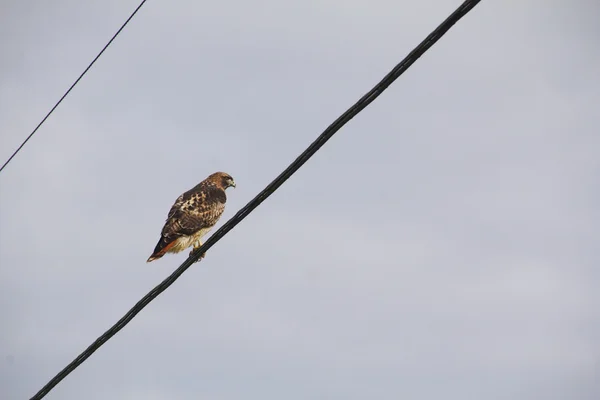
443,245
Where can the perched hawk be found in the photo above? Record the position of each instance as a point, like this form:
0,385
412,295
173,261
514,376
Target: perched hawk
194,214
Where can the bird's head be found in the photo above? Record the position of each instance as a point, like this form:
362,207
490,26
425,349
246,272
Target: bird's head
222,179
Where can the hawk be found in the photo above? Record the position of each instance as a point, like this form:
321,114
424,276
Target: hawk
194,213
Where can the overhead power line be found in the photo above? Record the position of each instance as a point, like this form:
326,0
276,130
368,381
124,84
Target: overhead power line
72,86
266,192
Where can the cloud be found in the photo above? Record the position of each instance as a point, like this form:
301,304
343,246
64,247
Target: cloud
442,244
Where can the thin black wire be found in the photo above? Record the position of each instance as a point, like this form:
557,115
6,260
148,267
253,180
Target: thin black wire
72,86
262,196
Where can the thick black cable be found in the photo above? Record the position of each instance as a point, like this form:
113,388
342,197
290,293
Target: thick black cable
262,196
72,86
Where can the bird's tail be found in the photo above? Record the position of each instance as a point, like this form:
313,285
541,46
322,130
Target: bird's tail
161,249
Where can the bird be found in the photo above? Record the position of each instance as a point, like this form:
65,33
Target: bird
193,215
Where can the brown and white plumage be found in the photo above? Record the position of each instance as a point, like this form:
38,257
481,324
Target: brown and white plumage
193,215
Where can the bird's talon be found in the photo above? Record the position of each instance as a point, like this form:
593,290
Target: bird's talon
199,258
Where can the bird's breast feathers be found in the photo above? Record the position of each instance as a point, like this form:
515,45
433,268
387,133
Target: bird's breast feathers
183,242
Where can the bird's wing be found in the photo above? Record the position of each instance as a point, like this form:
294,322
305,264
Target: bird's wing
193,211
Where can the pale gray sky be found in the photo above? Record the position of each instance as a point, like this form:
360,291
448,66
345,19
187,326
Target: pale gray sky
442,245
